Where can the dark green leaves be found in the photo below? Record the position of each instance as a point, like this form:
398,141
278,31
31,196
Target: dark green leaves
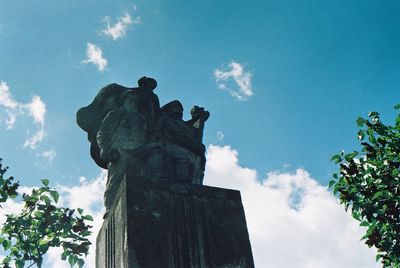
8,188
368,183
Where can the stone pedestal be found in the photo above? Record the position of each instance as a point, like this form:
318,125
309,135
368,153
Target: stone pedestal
163,223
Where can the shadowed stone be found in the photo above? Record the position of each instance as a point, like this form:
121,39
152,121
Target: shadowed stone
162,223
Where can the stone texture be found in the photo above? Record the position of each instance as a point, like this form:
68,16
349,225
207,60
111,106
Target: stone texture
167,223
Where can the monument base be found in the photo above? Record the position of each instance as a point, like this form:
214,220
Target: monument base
163,223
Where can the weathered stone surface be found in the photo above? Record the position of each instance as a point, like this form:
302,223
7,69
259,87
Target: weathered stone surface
164,223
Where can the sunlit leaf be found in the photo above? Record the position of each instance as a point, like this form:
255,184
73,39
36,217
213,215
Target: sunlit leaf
45,182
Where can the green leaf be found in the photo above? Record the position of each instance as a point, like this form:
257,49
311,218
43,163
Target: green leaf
377,195
55,195
397,106
45,182
356,216
88,217
371,114
38,214
6,244
81,263
331,183
350,156
20,263
398,122
86,233
395,173
6,260
72,260
64,255
361,121
80,211
336,158
46,199
43,242
378,257
336,189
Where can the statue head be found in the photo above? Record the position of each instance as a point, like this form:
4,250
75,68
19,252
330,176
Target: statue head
173,109
147,83
89,118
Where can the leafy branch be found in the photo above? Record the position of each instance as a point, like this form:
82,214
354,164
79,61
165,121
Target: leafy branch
40,225
368,182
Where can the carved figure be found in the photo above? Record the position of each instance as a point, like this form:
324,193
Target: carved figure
185,150
127,129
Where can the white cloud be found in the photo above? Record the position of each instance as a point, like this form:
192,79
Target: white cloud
49,154
92,190
36,109
95,56
292,220
234,80
10,207
31,142
118,30
11,119
6,99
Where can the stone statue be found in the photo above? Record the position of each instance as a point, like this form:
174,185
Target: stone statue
127,128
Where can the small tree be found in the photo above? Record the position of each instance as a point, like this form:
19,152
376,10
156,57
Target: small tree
26,237
368,182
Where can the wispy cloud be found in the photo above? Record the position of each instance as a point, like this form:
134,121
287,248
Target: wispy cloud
48,154
6,99
292,220
32,141
11,119
235,80
95,55
35,109
118,30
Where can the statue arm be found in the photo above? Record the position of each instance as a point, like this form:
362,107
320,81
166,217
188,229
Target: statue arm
199,117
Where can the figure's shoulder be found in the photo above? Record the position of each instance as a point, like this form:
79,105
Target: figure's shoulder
115,87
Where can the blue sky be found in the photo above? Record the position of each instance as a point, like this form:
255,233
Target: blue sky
284,80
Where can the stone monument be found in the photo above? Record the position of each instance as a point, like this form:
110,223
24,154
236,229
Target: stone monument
158,213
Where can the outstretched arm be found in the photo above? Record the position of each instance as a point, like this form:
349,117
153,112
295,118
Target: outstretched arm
199,117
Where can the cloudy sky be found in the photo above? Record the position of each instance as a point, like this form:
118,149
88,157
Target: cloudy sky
284,82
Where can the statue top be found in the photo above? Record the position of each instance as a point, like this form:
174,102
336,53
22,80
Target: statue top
127,128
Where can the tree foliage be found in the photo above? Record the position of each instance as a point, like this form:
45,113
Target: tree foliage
368,182
27,236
